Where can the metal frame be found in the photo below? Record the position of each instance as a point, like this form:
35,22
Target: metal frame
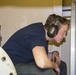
73,40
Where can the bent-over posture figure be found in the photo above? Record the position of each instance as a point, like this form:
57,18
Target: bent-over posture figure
28,47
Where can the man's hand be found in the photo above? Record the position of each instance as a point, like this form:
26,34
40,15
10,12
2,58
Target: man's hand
57,71
56,57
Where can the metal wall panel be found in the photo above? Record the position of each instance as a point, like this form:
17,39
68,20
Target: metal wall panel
73,40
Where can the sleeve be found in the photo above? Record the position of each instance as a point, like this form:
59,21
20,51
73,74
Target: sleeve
37,42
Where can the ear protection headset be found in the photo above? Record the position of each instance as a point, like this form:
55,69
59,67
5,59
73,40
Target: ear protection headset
52,30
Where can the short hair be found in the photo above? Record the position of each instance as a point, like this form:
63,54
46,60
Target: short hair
56,20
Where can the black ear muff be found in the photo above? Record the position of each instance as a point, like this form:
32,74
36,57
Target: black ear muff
53,30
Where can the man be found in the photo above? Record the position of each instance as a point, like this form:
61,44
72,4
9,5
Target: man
54,56
28,47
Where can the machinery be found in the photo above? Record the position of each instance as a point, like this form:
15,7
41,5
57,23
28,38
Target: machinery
6,65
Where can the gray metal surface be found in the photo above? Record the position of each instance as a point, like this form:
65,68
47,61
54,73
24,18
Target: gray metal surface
73,39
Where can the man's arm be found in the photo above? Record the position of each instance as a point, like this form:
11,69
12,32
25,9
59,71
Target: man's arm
42,60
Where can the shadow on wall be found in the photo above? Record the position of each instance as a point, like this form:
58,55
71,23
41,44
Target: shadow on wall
56,44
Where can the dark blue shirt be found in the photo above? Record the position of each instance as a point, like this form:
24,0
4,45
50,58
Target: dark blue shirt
19,46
